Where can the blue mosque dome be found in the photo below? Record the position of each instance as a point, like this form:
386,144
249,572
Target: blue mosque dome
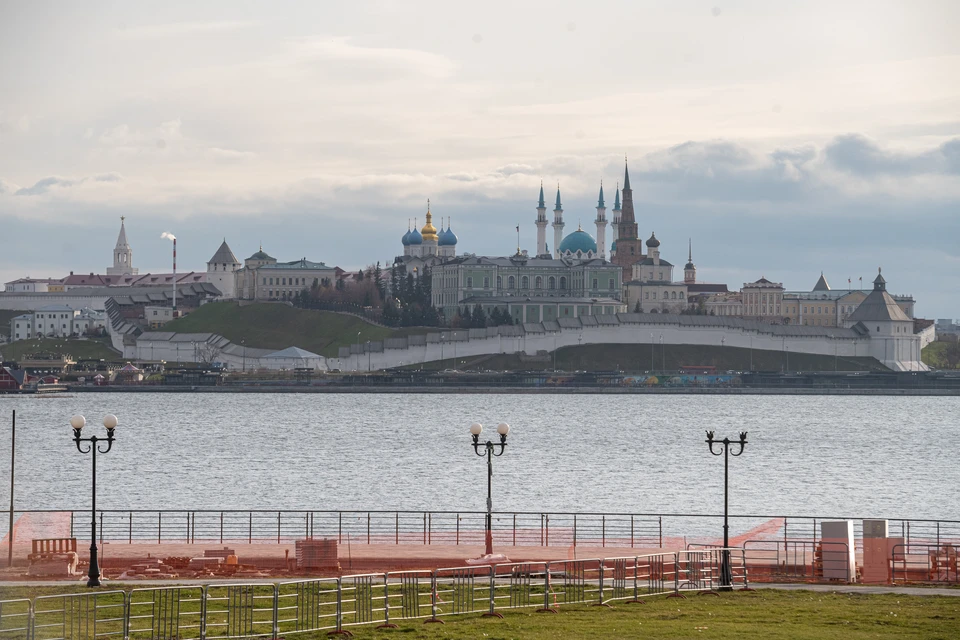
580,241
415,237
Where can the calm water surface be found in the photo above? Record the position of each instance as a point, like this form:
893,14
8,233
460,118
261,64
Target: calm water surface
856,456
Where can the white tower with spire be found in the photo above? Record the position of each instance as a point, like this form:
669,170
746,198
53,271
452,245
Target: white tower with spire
601,225
557,225
541,225
689,269
122,255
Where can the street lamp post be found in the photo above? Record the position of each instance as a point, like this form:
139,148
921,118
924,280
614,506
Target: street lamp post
651,352
77,423
555,350
441,350
488,449
357,368
726,575
368,356
663,356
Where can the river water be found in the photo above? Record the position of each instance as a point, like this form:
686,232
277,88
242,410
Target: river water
807,455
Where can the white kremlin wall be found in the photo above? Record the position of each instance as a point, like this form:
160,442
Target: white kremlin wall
898,353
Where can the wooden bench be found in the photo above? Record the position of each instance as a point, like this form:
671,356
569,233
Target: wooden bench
46,548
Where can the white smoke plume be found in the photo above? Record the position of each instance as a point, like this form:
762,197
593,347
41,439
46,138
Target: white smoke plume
168,236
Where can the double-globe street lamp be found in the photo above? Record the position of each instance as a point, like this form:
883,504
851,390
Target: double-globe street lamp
726,574
77,423
489,449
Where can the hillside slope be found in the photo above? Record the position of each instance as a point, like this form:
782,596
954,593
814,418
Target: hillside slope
278,326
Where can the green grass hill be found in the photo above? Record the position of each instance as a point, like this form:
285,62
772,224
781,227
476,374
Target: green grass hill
942,355
88,349
669,357
278,326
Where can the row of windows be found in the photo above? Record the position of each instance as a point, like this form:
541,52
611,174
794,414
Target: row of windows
538,282
283,281
667,295
763,297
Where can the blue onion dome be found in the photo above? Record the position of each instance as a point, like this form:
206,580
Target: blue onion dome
415,237
653,242
406,238
580,241
452,238
442,237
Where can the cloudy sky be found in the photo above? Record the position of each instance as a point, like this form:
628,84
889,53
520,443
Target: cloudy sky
784,138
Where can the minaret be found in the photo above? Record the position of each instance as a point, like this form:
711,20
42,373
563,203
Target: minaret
629,245
601,225
689,269
628,222
541,225
557,225
122,255
615,224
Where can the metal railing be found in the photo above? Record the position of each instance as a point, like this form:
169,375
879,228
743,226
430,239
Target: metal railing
797,560
934,563
515,528
271,610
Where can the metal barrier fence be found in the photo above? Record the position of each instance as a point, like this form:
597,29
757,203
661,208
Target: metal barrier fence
449,528
271,610
936,563
797,560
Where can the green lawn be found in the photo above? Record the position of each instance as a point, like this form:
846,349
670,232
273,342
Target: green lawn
761,614
278,326
941,355
6,315
640,357
91,349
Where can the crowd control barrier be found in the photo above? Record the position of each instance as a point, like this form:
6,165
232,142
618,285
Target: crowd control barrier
333,605
934,563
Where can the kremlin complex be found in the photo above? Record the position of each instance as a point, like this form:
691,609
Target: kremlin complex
580,278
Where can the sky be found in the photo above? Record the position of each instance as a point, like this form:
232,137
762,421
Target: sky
781,138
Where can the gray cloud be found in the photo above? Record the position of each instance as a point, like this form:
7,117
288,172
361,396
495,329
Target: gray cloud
48,184
858,155
44,185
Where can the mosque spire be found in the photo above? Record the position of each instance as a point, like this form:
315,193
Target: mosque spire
541,204
616,201
600,201
558,207
626,174
690,251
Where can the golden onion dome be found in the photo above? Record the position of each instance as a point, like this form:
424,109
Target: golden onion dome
429,232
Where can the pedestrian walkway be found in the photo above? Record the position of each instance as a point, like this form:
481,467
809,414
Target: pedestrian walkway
860,588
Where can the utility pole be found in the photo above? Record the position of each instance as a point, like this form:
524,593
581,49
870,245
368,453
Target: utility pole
13,457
